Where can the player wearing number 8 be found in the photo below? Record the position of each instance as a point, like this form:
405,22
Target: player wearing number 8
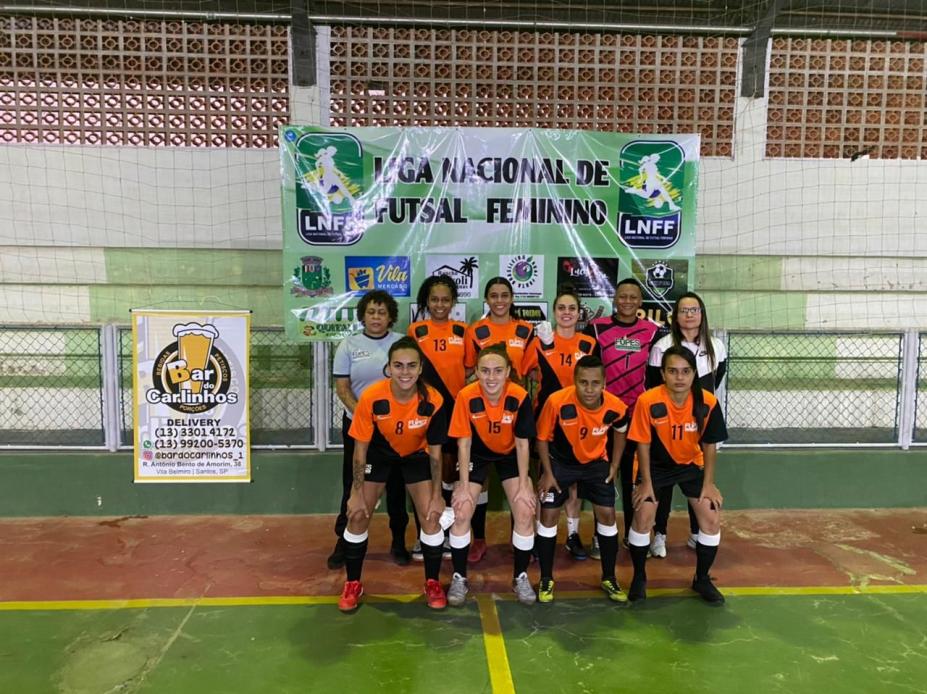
677,427
398,424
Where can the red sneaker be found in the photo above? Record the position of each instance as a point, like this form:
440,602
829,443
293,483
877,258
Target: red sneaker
350,596
434,595
477,551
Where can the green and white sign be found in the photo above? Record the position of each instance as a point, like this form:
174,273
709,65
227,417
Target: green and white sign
382,208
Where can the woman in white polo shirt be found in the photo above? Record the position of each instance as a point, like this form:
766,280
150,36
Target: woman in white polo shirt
689,329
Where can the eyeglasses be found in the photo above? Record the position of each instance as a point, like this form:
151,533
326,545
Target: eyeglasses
692,311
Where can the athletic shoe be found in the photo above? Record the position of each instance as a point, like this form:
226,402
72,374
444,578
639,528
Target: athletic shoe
446,554
638,590
705,588
457,591
417,552
350,596
575,547
658,546
400,555
613,591
434,595
594,551
546,590
692,541
477,551
523,590
336,558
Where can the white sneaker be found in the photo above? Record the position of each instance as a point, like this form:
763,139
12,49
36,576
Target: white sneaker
692,541
658,546
417,551
446,554
523,590
457,591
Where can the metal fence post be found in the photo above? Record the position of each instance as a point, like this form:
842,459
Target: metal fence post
909,359
112,430
320,393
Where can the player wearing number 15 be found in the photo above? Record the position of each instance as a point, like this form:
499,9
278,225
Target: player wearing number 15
398,423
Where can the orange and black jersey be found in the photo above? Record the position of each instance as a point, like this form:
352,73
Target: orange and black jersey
492,428
394,429
444,348
672,431
556,362
515,334
578,435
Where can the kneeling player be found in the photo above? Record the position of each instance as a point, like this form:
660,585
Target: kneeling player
573,433
677,427
396,421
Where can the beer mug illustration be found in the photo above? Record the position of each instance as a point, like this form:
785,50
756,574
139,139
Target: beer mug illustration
194,344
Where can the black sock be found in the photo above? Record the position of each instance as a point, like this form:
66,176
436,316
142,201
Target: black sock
432,555
704,558
354,553
522,559
546,546
459,559
608,547
639,560
693,521
478,522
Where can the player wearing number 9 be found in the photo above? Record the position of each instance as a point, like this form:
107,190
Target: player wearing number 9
677,427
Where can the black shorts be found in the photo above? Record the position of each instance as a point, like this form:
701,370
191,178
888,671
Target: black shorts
589,480
507,468
688,477
415,468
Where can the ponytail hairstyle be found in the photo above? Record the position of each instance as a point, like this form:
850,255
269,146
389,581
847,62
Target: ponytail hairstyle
698,399
407,342
421,299
508,285
704,334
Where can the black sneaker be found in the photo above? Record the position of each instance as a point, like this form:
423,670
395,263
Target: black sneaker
336,558
575,547
705,588
638,590
400,555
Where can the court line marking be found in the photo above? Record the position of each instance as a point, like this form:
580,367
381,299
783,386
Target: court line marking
271,600
497,660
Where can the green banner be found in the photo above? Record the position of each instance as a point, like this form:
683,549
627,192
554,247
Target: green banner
383,208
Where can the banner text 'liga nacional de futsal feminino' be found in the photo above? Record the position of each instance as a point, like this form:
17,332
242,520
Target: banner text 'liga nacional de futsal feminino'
383,208
190,386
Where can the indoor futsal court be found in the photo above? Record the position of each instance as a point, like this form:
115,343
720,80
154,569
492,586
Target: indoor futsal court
261,261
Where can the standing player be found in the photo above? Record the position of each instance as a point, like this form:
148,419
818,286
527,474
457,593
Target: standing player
677,427
493,424
550,361
497,326
623,342
398,425
573,434
689,329
442,343
359,363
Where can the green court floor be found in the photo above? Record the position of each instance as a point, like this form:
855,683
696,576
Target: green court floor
869,643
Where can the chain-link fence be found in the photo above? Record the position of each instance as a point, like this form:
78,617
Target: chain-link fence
920,402
783,389
281,408
813,388
51,385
